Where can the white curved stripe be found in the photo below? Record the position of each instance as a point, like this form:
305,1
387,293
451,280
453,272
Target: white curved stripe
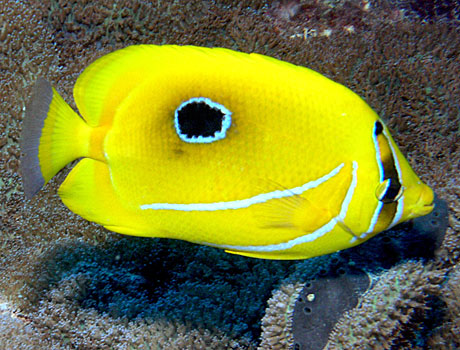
399,212
243,203
377,155
377,210
310,237
280,246
350,193
374,219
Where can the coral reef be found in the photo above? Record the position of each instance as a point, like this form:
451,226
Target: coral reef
390,314
447,336
89,288
342,282
323,301
429,10
277,322
88,329
134,283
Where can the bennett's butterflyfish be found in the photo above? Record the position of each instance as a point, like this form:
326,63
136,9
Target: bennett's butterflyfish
238,151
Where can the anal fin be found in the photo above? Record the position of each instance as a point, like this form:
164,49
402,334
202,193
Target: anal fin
88,192
275,255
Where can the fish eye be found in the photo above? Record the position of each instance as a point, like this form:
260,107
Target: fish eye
201,120
389,191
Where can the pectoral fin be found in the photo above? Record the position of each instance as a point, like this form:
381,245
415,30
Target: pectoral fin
311,209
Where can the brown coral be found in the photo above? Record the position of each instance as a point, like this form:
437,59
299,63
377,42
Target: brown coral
447,336
407,70
277,322
389,313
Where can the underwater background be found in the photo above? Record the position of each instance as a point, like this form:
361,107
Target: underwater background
66,283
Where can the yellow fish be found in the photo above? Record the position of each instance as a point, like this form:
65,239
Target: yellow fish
238,151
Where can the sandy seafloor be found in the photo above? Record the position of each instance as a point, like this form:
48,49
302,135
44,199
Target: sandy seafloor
69,284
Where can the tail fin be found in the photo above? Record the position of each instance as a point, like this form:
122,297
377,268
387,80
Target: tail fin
52,136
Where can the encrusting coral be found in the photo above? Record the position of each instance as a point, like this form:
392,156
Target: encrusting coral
391,313
322,302
89,288
277,322
447,336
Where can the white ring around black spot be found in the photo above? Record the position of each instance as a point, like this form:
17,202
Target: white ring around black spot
218,135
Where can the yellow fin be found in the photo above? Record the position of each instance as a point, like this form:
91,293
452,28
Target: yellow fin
87,191
52,136
276,255
108,80
312,209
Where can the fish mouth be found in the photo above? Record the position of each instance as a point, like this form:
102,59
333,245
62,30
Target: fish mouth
424,204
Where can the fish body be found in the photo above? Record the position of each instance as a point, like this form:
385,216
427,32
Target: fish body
237,151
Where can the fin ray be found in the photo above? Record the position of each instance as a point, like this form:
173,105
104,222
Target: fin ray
310,210
52,136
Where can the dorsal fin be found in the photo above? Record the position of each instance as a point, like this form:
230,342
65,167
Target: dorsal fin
107,81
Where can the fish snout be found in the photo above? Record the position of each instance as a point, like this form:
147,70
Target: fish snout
424,204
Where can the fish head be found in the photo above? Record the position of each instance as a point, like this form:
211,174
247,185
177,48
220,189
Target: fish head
400,192
417,196
414,198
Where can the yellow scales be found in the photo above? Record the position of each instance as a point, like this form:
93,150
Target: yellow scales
232,150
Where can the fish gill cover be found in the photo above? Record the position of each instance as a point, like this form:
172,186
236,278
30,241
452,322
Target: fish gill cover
68,284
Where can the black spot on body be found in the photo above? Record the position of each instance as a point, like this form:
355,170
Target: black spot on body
199,119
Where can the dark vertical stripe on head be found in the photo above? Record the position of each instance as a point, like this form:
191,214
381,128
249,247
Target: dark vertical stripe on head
36,113
386,216
389,189
388,165
378,128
